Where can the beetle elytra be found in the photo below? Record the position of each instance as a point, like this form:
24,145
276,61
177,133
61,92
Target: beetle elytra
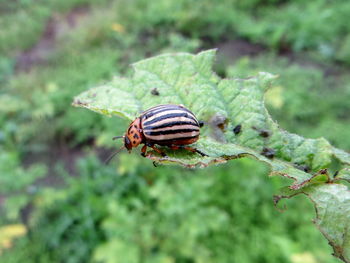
168,125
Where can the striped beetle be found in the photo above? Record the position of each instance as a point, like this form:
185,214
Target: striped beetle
168,125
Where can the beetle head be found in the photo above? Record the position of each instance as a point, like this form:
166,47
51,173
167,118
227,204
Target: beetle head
127,143
133,136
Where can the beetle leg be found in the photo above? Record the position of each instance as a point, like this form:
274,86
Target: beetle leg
199,152
143,150
157,150
174,147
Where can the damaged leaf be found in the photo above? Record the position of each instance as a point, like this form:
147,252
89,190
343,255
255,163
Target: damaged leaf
224,105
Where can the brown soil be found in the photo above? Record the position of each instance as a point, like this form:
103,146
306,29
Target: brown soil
231,50
55,27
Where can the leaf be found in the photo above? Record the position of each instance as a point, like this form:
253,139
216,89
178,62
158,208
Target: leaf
222,104
332,205
187,79
332,202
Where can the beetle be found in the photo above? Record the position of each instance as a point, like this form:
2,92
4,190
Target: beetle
168,125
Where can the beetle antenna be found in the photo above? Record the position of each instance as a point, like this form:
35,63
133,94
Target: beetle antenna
112,155
117,137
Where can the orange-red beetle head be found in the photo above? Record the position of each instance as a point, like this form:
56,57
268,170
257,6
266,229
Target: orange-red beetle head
133,136
127,143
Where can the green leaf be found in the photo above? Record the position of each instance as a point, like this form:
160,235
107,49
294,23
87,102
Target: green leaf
222,104
332,205
332,202
188,79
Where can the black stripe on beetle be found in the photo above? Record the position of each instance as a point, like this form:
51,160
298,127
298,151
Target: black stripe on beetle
171,141
148,114
168,125
160,108
170,131
173,123
168,116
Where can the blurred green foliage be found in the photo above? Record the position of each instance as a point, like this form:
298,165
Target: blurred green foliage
129,210
16,183
303,99
139,213
318,26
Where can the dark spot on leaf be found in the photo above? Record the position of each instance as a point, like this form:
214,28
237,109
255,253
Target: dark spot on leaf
323,171
262,132
221,126
338,250
268,152
218,124
219,121
155,92
302,167
276,199
335,174
237,129
79,102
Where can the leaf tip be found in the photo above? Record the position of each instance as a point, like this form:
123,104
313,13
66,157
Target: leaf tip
78,103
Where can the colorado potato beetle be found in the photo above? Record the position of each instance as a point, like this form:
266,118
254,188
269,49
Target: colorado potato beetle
169,125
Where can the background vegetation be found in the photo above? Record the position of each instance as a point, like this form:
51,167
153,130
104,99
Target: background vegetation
67,206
